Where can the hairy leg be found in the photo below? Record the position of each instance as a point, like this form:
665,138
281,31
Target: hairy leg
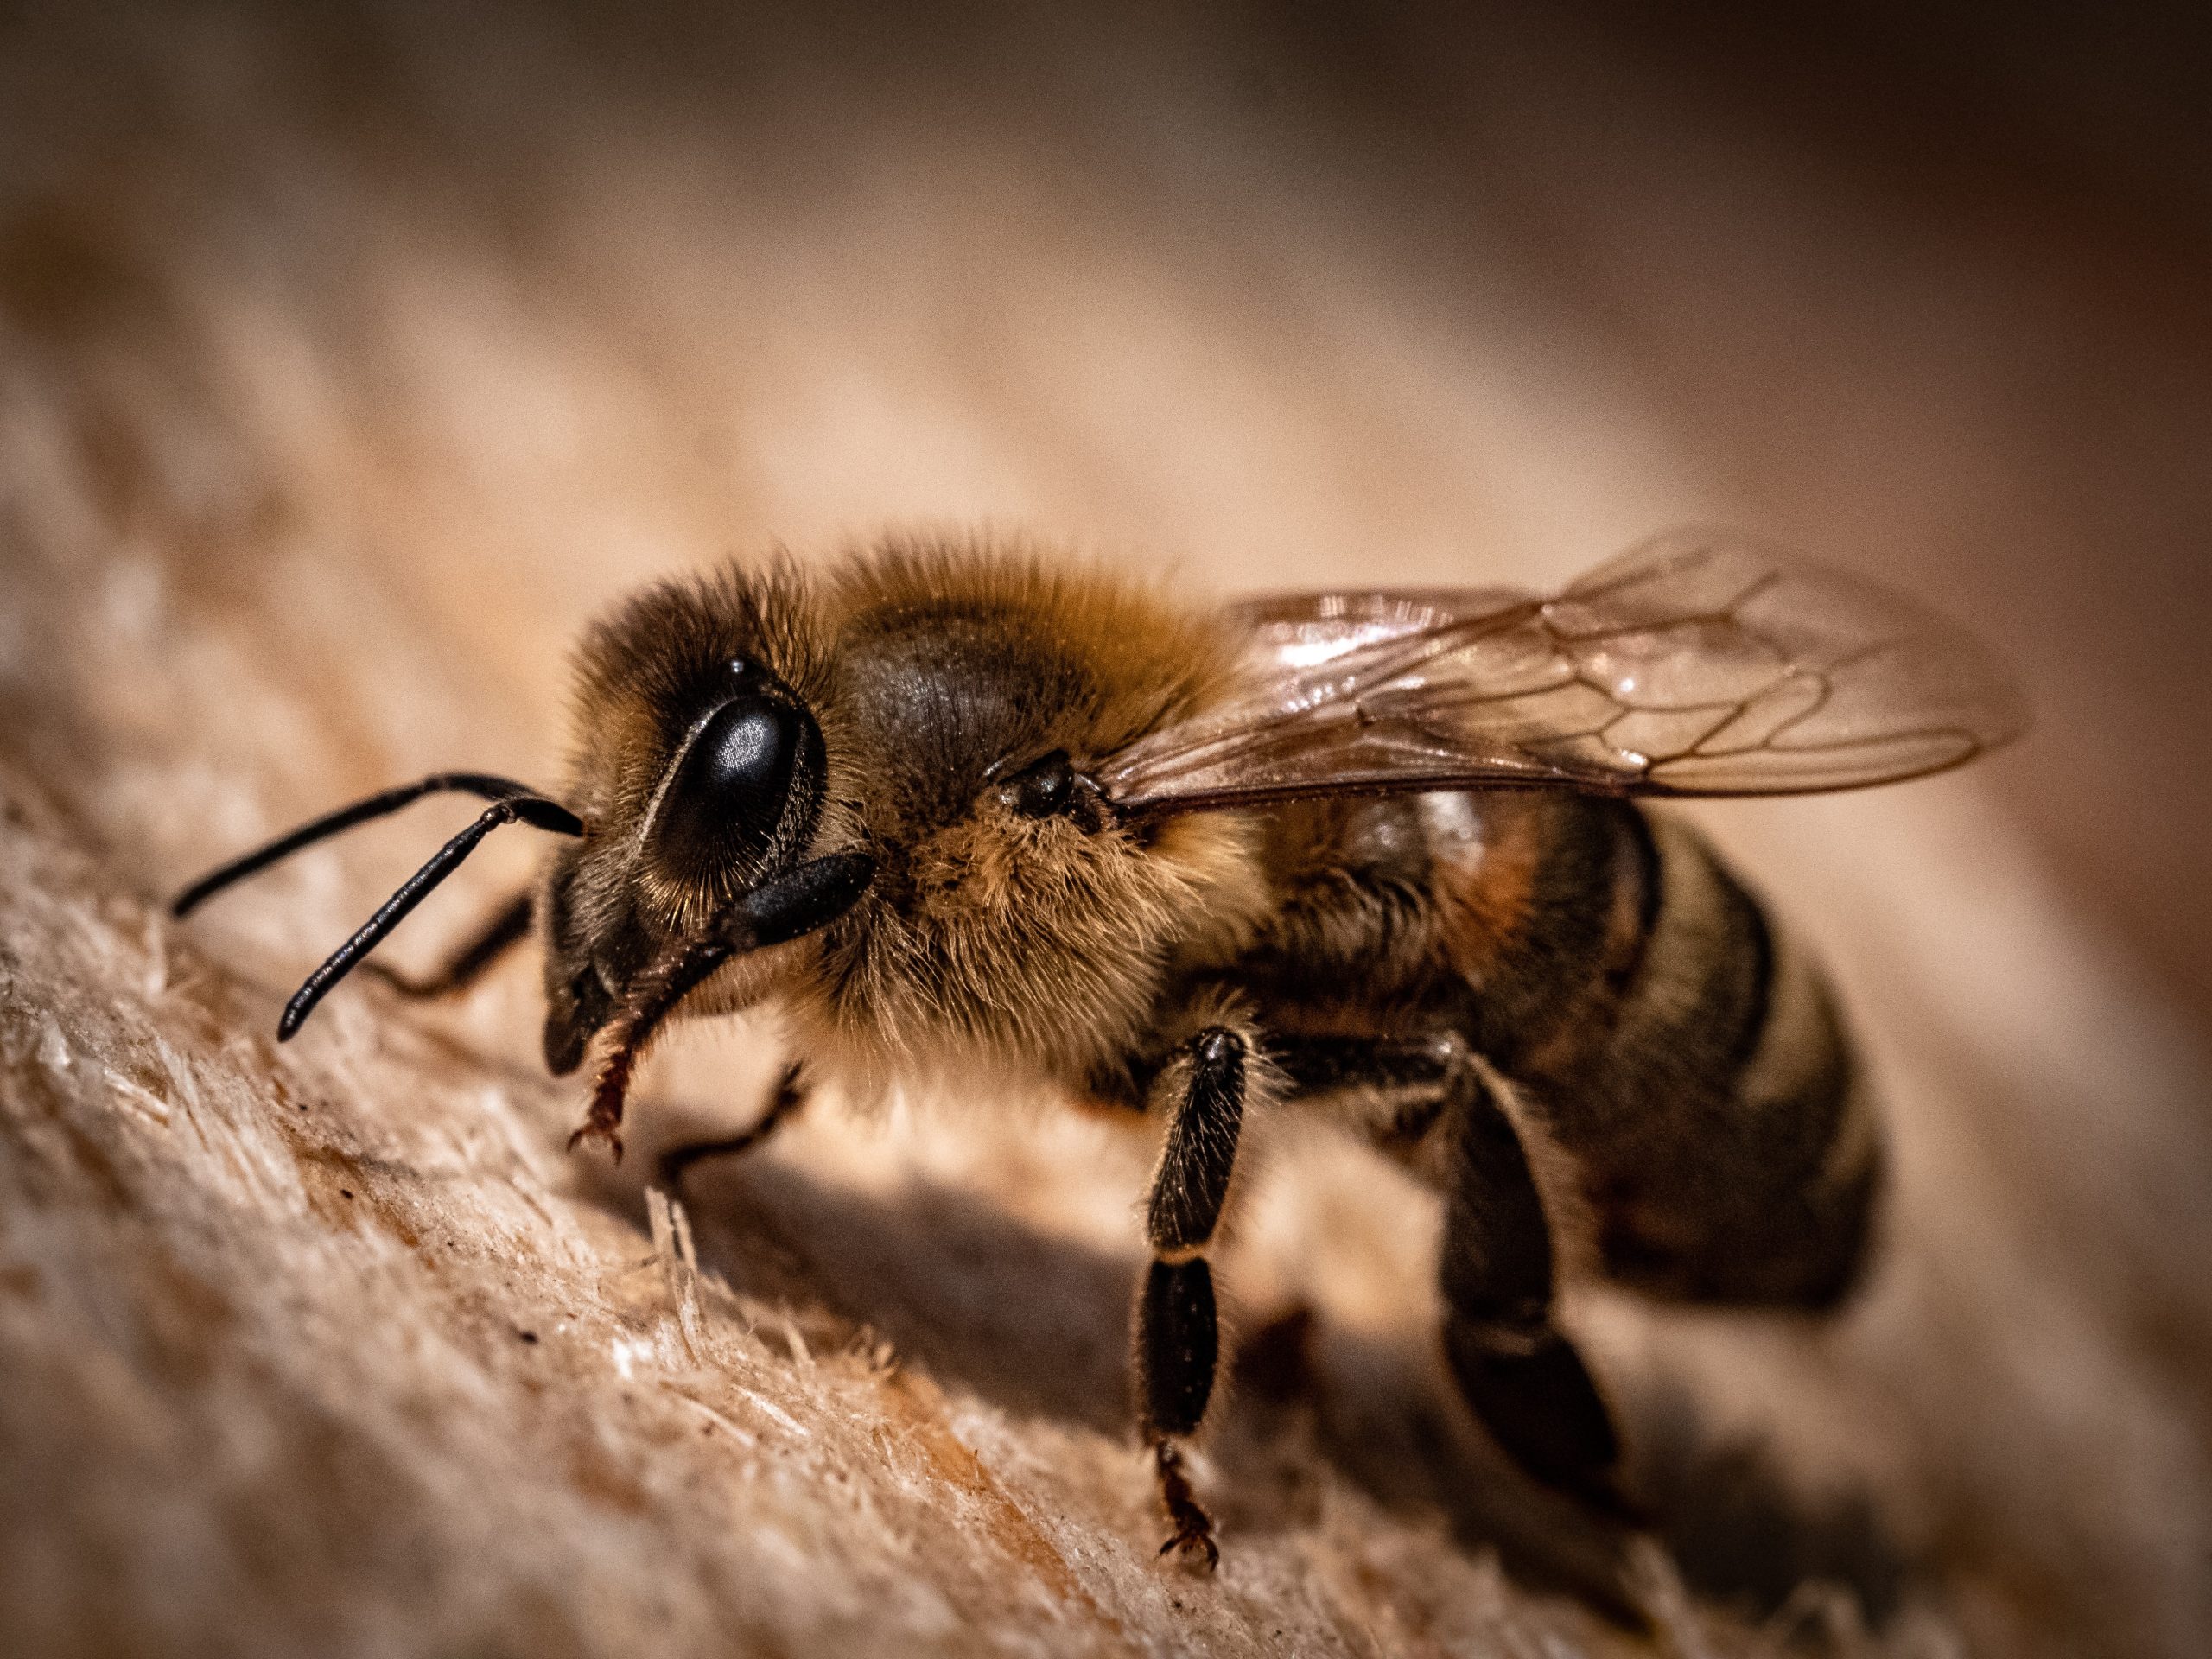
1177,1342
1518,1373
1524,1378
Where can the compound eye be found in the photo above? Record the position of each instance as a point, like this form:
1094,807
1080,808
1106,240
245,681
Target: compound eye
731,789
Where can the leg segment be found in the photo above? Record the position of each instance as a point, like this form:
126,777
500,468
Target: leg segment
508,927
1519,1376
1177,1344
799,902
783,1105
1416,1077
1522,1376
1177,1347
1201,1152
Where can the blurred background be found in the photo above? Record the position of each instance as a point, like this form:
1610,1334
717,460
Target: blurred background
352,355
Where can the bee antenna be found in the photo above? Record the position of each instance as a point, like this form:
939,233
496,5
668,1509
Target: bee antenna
551,816
533,810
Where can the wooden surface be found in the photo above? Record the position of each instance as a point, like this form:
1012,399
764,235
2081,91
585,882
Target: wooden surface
350,358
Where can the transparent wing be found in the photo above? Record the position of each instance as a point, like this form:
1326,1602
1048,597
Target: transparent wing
1693,664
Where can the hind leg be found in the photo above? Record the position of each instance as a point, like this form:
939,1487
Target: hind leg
1524,1378
1518,1373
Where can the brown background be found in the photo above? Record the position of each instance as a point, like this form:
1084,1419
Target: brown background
350,358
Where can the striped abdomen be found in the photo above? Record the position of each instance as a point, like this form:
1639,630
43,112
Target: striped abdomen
1689,1062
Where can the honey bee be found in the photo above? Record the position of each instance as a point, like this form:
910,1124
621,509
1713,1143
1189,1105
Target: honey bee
963,810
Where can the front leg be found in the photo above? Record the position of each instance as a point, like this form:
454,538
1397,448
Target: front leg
799,902
1177,1342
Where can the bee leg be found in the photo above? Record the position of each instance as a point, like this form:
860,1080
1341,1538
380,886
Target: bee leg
783,1105
1517,1373
1177,1344
1522,1378
477,955
1417,1078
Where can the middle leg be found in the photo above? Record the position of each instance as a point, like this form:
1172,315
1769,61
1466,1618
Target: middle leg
783,1105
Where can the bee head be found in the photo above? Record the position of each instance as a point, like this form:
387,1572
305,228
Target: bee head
700,758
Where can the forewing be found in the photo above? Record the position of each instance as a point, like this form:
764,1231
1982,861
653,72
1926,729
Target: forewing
1695,665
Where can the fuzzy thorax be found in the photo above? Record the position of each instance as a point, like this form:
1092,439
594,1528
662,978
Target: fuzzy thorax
1030,944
